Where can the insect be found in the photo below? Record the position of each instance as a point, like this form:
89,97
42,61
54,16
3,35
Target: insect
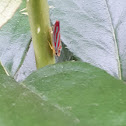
56,42
56,38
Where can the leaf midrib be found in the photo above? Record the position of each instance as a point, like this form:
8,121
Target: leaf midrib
115,43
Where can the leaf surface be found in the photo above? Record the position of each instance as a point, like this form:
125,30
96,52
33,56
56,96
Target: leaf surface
94,97
6,9
20,106
15,38
94,31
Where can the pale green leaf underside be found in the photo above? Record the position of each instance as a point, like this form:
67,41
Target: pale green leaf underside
15,38
94,31
6,9
90,94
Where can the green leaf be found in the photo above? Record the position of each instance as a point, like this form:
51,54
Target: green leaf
20,106
94,31
6,9
94,97
14,41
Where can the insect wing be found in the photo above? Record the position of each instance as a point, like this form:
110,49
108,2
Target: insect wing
56,38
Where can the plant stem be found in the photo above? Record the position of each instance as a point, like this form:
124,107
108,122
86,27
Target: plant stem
38,12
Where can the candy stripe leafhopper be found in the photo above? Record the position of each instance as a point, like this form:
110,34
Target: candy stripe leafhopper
56,38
